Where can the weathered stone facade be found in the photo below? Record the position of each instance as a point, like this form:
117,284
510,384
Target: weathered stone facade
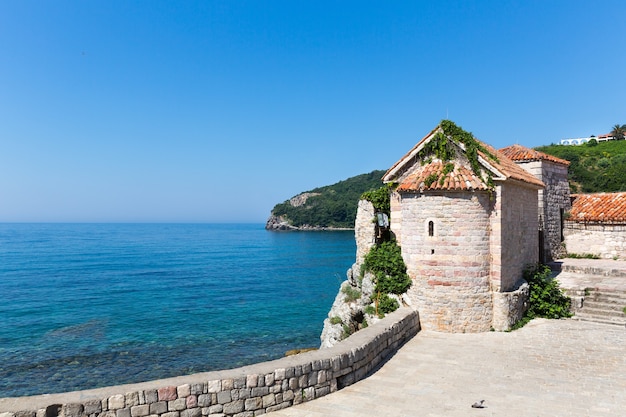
364,230
607,241
514,235
554,202
445,245
244,392
554,199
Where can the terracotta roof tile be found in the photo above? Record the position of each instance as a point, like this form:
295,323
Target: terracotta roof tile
460,178
504,165
601,207
509,168
522,153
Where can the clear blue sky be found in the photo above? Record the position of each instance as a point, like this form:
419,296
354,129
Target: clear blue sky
214,111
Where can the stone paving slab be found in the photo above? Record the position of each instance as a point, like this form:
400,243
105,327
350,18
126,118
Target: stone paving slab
600,274
576,281
548,368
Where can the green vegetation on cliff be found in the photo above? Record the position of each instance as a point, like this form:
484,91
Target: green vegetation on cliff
330,206
386,263
594,166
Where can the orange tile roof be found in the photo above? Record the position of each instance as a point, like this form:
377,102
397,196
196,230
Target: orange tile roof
601,207
460,178
509,168
522,153
503,165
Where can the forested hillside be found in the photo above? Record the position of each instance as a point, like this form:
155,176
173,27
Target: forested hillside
330,206
594,166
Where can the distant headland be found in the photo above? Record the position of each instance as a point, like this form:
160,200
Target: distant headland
332,207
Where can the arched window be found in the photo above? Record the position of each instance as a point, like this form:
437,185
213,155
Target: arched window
431,228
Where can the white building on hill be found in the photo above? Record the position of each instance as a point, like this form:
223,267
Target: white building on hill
580,141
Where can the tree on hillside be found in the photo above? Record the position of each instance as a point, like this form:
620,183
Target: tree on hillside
618,132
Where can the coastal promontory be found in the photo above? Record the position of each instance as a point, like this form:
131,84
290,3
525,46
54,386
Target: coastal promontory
331,207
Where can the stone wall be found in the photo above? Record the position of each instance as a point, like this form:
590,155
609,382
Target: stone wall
605,240
445,245
395,217
509,307
557,203
364,230
242,392
553,202
519,236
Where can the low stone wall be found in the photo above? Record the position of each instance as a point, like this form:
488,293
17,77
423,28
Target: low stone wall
243,392
605,240
509,307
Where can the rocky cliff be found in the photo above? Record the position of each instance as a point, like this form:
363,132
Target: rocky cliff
279,223
283,223
353,308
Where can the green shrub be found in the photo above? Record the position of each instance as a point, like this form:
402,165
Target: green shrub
351,293
386,263
546,298
335,320
347,331
379,198
370,309
386,305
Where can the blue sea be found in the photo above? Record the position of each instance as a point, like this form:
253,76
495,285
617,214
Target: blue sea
90,305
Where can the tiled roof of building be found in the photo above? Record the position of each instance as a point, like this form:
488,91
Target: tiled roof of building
502,166
522,153
509,168
601,208
430,177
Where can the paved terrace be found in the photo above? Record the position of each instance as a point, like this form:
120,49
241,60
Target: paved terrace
548,368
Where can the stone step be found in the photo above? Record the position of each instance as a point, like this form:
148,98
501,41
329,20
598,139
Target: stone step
599,319
599,309
606,291
606,298
589,270
589,283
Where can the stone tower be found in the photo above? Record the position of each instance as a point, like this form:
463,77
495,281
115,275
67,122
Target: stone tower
554,199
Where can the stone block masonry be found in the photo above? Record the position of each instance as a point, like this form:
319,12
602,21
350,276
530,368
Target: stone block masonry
243,392
608,241
446,247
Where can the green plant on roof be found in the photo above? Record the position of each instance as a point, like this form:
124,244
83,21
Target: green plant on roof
432,177
442,146
448,168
